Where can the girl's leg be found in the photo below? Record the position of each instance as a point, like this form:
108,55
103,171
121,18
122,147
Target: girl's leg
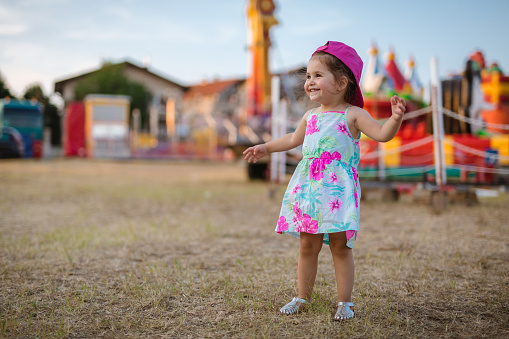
310,246
342,256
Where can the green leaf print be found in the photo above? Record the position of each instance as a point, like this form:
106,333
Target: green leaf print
319,218
339,227
347,154
314,196
350,201
338,190
315,186
335,188
327,142
305,168
306,153
354,217
290,206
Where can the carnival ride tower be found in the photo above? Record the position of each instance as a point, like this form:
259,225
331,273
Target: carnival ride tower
261,18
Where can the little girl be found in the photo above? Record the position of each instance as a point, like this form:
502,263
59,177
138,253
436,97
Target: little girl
321,203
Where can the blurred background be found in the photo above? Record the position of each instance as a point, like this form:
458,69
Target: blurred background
195,79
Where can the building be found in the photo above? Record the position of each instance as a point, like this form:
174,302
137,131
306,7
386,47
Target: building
201,118
162,89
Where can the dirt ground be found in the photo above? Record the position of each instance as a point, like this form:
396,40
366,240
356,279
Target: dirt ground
188,249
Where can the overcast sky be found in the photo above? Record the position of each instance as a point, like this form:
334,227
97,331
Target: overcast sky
42,41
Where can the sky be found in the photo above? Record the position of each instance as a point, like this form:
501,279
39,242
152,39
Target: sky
43,41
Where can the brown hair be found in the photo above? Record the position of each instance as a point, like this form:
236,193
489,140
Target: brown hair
339,69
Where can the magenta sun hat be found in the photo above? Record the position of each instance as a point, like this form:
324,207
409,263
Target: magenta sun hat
351,59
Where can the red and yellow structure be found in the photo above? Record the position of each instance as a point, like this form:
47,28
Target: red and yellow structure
261,18
422,155
495,87
106,126
469,156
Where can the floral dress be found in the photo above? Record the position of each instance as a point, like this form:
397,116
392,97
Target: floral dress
323,194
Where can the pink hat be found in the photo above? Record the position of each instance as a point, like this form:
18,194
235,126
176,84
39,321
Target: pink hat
351,59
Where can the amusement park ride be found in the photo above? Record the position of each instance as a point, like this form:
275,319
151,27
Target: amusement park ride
472,136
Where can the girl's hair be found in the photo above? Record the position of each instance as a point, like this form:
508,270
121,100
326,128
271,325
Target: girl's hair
339,69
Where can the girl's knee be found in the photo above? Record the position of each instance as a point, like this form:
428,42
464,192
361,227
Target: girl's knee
337,245
340,249
310,245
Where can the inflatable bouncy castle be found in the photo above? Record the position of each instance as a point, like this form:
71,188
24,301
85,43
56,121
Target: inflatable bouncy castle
475,116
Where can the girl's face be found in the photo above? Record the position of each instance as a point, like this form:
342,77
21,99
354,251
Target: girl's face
320,85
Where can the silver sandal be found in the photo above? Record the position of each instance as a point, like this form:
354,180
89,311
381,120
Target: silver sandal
345,311
293,306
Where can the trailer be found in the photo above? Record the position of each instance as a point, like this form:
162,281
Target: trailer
26,116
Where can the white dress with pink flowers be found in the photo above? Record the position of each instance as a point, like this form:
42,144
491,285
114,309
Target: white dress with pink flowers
323,194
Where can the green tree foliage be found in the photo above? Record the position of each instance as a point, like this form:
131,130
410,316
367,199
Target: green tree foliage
4,91
50,112
35,92
110,79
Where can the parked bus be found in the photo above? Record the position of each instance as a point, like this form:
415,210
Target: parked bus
27,118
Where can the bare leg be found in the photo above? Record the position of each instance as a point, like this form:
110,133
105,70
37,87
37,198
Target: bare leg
310,246
342,256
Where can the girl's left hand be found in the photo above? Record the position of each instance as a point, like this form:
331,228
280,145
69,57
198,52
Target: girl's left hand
398,106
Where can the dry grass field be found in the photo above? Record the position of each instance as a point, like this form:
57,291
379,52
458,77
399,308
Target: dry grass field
97,249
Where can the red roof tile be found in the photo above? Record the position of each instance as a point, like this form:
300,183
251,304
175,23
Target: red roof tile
210,88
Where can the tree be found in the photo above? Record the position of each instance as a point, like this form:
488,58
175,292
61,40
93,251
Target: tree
50,112
4,91
35,92
110,79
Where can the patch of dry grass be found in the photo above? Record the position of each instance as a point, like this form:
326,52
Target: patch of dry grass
154,249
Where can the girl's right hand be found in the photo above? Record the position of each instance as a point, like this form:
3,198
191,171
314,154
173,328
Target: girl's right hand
256,152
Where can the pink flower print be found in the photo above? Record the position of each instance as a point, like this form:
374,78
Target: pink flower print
342,128
333,178
311,126
326,157
297,210
336,156
310,226
299,227
296,189
335,205
350,235
355,196
316,169
303,222
282,225
355,176
297,219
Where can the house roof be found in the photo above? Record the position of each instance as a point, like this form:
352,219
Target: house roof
59,85
210,88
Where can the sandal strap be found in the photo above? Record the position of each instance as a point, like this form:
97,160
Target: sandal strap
345,303
293,306
298,300
344,311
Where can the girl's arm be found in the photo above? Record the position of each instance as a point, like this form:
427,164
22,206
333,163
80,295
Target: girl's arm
285,143
376,131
